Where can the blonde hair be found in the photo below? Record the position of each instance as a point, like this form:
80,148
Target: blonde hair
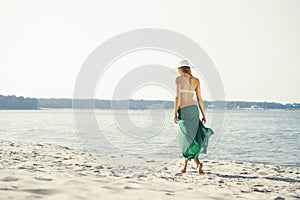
187,70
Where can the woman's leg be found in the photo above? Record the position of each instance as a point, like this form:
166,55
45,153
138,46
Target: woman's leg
197,162
199,166
183,170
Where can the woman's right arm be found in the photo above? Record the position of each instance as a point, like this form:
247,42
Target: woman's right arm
200,101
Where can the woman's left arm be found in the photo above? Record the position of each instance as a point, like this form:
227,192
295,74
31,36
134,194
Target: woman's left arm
175,110
177,101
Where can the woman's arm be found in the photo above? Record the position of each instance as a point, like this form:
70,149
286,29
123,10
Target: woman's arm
200,102
175,110
177,101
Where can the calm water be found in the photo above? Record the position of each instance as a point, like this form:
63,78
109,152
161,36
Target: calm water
267,136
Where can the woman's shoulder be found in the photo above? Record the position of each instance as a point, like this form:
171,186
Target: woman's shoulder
179,78
195,80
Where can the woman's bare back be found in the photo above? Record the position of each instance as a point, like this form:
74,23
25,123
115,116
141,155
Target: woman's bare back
186,90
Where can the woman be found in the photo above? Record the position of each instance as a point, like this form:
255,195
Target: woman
193,136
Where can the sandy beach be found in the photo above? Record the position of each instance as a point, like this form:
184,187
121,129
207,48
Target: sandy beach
44,171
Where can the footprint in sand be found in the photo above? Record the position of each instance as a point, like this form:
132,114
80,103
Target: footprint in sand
8,179
43,179
41,191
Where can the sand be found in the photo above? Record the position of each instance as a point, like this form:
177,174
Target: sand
45,171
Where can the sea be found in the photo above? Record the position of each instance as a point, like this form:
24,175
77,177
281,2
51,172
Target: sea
260,136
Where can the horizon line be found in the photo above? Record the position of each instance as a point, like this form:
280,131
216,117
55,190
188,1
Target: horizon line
226,100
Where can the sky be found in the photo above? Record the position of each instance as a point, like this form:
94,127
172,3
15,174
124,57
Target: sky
253,44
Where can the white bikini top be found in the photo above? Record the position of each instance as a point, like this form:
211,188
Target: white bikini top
184,90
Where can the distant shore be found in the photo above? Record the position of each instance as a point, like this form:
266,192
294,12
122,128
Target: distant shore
21,103
30,171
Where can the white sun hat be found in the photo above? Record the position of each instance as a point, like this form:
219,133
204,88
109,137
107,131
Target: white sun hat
182,63
185,63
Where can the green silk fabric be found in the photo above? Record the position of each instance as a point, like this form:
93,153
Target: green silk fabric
192,134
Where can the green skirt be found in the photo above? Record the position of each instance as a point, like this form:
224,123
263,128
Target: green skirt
193,135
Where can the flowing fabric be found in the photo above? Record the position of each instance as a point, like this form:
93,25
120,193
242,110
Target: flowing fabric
193,135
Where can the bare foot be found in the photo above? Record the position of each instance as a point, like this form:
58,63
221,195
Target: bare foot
183,170
199,167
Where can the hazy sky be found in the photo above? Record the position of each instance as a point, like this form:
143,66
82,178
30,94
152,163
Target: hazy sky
255,45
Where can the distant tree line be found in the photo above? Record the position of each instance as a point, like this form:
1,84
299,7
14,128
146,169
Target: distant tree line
156,104
17,103
14,103
262,105
105,104
55,103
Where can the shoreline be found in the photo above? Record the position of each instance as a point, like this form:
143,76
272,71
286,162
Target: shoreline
30,171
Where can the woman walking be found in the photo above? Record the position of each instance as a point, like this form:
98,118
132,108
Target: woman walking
193,136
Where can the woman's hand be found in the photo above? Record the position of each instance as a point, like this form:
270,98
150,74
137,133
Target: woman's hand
204,119
175,119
